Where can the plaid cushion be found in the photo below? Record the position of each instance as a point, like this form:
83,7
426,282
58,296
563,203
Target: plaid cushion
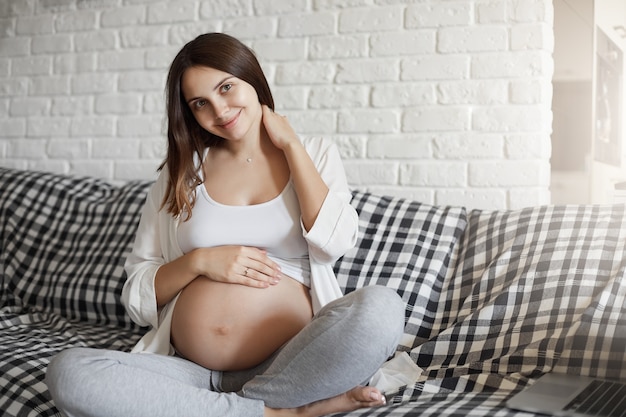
405,245
64,241
537,290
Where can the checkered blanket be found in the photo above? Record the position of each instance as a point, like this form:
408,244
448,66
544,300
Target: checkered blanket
494,299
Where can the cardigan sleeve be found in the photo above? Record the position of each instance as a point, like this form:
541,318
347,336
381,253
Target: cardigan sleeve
138,293
335,230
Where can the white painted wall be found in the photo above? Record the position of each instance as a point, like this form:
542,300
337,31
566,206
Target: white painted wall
447,101
610,17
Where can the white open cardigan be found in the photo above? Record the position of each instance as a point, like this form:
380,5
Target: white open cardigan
334,232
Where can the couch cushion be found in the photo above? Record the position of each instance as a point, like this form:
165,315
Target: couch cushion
63,243
534,290
408,246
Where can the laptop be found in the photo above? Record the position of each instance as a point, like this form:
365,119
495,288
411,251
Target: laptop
571,395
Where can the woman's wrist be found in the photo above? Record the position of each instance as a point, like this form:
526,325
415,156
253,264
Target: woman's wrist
197,257
293,145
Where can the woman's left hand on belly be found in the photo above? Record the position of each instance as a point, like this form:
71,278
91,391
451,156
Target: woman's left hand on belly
242,265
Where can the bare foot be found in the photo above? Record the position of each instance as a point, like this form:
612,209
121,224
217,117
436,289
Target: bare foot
359,397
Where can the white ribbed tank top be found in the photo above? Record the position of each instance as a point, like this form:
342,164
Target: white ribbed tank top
273,226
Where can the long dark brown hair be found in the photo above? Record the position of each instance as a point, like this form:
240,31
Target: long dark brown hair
186,139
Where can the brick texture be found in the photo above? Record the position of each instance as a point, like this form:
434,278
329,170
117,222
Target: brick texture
448,102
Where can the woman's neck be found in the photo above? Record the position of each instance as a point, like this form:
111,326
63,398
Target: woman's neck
249,149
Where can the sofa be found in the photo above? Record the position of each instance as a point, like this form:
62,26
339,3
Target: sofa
494,299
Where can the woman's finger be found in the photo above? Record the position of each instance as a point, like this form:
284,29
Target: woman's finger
261,271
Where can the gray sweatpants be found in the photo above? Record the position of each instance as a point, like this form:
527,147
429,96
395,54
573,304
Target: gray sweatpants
342,347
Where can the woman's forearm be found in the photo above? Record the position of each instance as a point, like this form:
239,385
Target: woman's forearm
309,185
172,277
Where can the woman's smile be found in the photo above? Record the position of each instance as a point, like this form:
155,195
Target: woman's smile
231,122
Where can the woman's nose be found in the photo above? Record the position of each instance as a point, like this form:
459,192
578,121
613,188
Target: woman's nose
220,108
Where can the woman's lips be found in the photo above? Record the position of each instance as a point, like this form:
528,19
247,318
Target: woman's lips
231,122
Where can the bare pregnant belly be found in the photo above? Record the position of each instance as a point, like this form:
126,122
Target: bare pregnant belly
229,327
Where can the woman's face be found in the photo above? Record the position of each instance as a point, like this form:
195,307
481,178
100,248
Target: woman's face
223,104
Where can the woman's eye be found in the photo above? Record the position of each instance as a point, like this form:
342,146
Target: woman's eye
226,87
199,104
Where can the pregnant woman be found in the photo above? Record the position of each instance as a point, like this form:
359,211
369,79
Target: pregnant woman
232,267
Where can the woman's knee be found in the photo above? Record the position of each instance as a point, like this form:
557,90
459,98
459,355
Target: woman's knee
382,310
381,301
62,365
59,373
66,374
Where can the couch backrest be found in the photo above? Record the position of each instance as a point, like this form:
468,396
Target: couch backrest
496,297
535,290
63,242
408,246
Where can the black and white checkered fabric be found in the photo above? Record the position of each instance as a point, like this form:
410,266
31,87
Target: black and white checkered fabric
407,246
63,242
494,299
524,292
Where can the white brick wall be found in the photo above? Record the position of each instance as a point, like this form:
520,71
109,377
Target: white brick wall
443,101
